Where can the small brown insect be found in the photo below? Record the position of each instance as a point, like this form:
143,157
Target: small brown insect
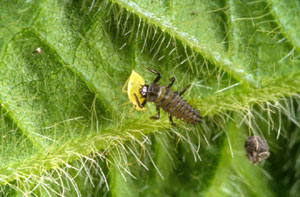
169,101
257,149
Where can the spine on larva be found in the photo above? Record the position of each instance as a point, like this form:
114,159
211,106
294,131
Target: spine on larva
174,104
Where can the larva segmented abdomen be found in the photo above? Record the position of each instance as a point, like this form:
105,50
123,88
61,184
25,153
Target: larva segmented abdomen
174,104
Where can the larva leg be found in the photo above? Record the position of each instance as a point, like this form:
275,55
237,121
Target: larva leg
157,73
138,102
171,82
171,119
157,115
184,89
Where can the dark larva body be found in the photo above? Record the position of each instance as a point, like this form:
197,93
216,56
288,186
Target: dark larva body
168,100
172,103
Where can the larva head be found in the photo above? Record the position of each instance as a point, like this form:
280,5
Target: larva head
134,83
144,91
152,92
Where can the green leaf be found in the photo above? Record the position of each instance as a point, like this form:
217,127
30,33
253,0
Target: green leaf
67,128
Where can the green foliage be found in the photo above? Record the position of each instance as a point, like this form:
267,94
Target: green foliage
67,129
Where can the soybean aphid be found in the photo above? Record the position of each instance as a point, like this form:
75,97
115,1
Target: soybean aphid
134,84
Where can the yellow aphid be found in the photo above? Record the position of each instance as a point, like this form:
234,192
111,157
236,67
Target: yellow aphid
135,82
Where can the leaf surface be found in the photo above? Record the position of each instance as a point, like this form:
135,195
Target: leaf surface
64,63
